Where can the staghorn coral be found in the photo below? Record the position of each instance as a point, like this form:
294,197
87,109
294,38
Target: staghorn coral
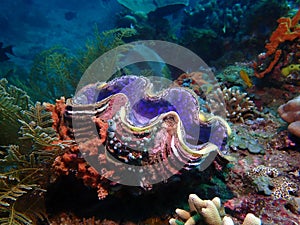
238,106
268,180
290,112
211,211
147,135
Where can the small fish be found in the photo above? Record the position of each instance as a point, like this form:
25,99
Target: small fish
4,52
245,77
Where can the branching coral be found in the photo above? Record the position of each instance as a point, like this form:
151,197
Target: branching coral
238,106
211,211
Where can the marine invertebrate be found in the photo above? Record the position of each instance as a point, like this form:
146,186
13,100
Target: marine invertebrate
268,180
288,30
290,112
211,211
127,133
238,106
25,168
290,68
13,101
197,81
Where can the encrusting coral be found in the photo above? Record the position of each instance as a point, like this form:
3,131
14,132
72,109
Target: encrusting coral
290,112
211,211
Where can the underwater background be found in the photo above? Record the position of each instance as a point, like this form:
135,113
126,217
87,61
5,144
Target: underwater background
69,141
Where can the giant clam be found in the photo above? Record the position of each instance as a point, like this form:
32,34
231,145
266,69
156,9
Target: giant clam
143,135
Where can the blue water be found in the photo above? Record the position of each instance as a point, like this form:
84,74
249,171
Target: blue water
34,25
221,32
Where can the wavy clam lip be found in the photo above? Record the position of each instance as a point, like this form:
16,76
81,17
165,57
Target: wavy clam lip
156,132
144,106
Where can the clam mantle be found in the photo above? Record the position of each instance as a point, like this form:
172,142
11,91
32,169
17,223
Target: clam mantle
142,134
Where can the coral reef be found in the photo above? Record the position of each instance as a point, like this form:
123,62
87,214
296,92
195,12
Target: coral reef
122,136
238,106
264,203
211,212
290,112
119,152
281,49
13,101
231,75
232,24
267,180
199,82
26,168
